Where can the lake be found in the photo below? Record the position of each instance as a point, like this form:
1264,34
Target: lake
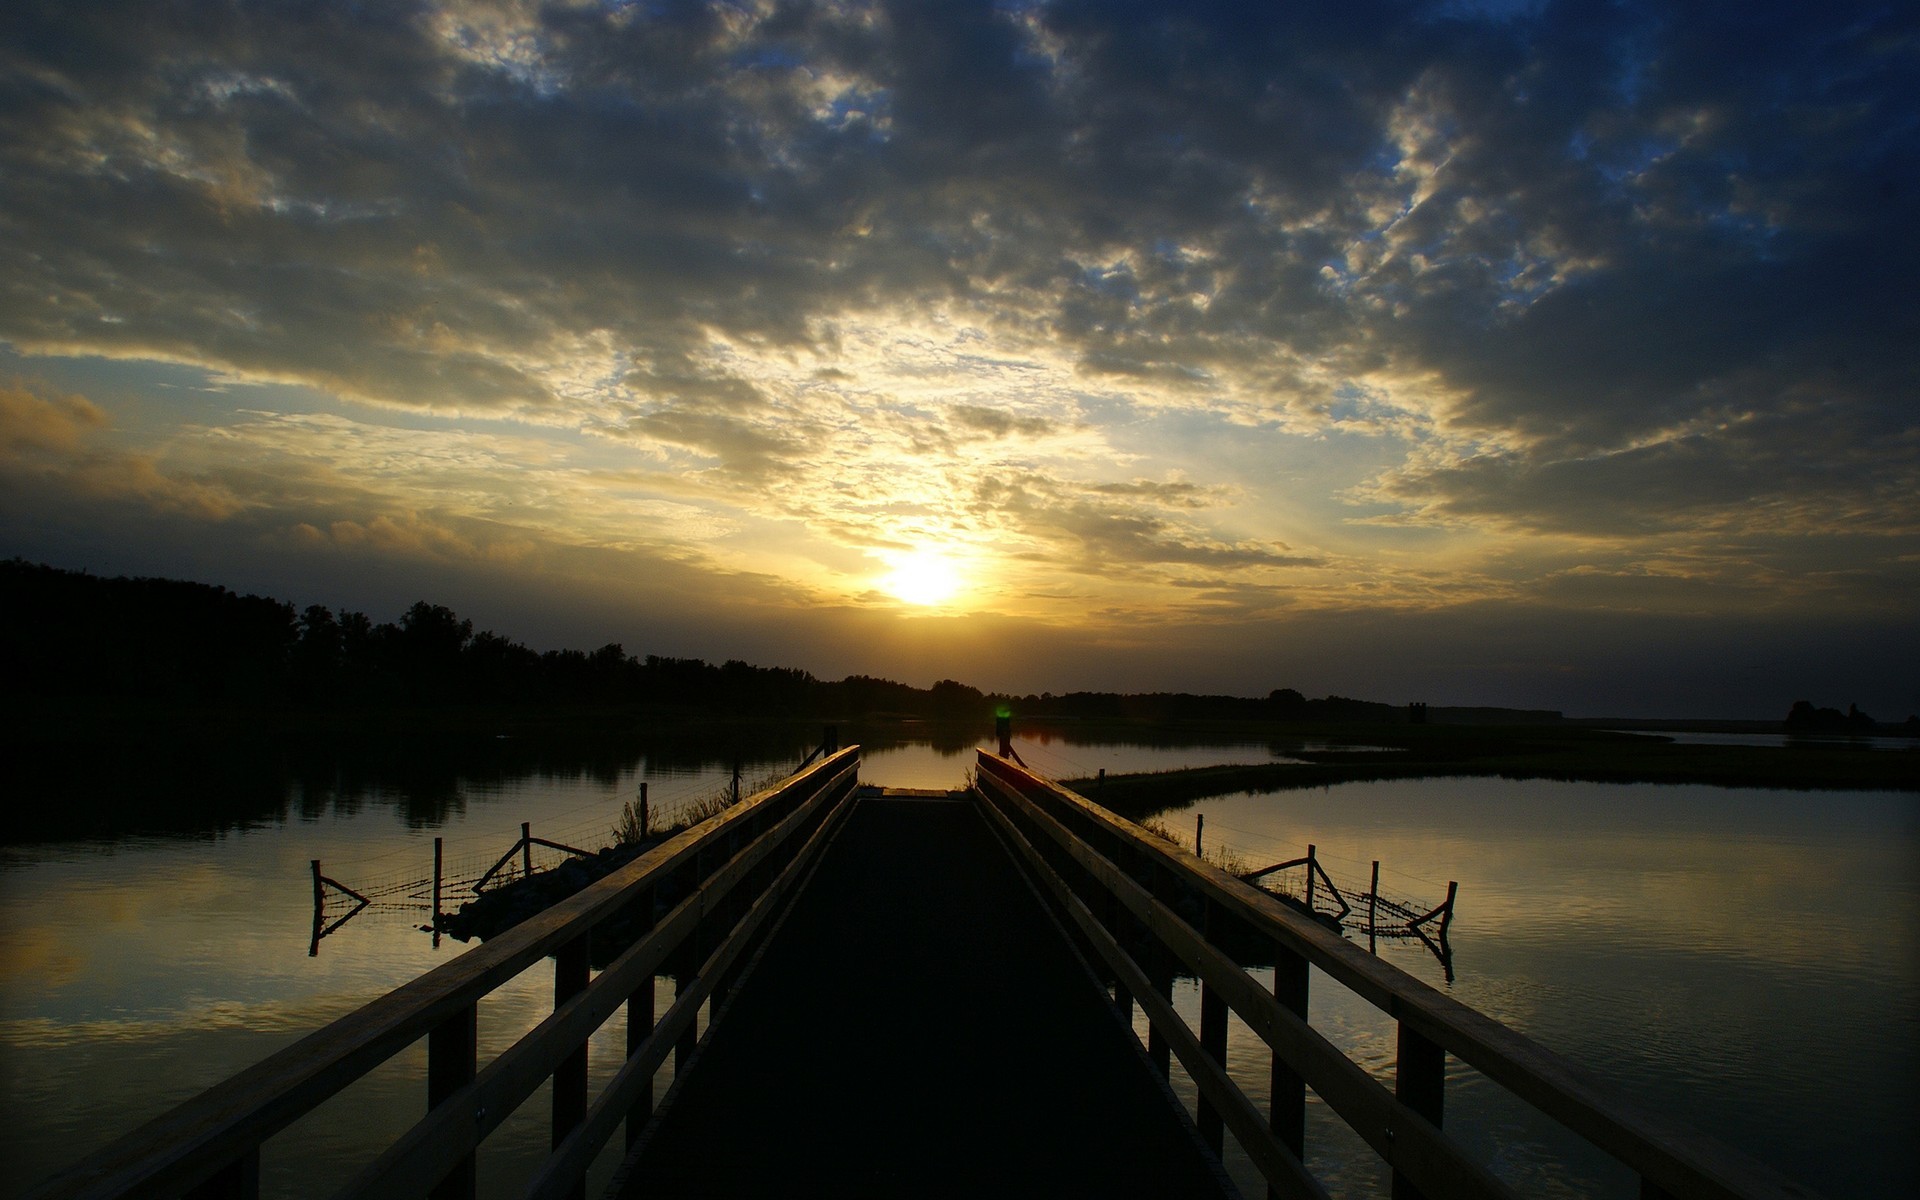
1743,958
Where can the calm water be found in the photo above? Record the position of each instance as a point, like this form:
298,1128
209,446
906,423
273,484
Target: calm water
1743,957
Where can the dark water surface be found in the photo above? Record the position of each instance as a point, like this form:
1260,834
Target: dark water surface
1745,958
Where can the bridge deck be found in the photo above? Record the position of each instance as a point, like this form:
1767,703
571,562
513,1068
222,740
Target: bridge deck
919,1026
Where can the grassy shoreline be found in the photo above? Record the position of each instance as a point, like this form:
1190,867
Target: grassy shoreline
1521,752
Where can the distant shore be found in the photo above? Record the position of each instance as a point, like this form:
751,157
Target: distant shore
1566,751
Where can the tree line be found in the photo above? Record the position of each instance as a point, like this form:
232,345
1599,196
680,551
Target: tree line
68,634
73,635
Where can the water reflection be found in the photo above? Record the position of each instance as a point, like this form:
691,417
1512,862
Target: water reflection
1738,957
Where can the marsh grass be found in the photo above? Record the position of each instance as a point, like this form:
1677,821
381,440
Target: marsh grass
1224,857
628,831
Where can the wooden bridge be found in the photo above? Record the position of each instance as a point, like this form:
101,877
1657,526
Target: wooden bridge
909,992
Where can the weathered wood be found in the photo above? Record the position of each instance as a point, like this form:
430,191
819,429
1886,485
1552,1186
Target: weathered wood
1420,1079
453,1050
188,1144
1684,1163
1373,909
238,1180
572,970
1281,1169
1399,1135
1287,1114
423,1154
573,1156
1213,1040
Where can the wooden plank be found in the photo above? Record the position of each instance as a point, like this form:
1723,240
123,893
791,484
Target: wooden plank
414,1163
238,1180
453,1050
573,1156
1420,1079
1287,1113
1400,1136
187,1144
1685,1163
572,971
1281,1170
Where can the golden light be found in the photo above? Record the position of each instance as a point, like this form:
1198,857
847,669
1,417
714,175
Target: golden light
924,577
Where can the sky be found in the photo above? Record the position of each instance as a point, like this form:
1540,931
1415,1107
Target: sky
1554,355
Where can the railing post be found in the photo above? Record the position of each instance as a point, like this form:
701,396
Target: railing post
453,1048
572,971
1160,967
1420,1083
238,1180
639,1026
1213,1040
690,1037
1287,1114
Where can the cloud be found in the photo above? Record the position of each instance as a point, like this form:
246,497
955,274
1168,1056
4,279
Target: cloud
32,423
1081,526
49,443
849,275
998,423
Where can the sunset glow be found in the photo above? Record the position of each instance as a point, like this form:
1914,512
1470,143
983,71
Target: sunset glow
923,578
1485,353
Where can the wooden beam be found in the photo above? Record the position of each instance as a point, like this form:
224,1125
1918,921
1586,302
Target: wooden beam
1682,1161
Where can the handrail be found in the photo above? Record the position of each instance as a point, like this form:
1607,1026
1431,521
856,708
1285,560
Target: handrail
210,1145
1106,852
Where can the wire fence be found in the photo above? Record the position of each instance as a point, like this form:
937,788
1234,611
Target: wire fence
1337,894
404,882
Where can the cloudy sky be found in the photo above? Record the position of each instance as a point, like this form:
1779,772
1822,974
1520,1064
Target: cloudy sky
1546,354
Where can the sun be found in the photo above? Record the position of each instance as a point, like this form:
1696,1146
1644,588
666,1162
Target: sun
924,577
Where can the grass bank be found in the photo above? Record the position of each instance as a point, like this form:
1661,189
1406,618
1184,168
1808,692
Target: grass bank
1516,752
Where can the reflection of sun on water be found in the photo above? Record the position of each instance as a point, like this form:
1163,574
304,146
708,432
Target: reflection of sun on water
922,577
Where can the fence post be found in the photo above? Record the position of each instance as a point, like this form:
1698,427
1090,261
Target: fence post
1310,874
1003,729
526,847
645,823
438,857
1373,908
1199,829
319,911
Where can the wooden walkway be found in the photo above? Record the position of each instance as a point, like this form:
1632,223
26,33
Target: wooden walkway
919,1026
911,1020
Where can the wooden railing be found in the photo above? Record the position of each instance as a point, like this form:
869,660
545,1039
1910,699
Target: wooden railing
1146,908
697,903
